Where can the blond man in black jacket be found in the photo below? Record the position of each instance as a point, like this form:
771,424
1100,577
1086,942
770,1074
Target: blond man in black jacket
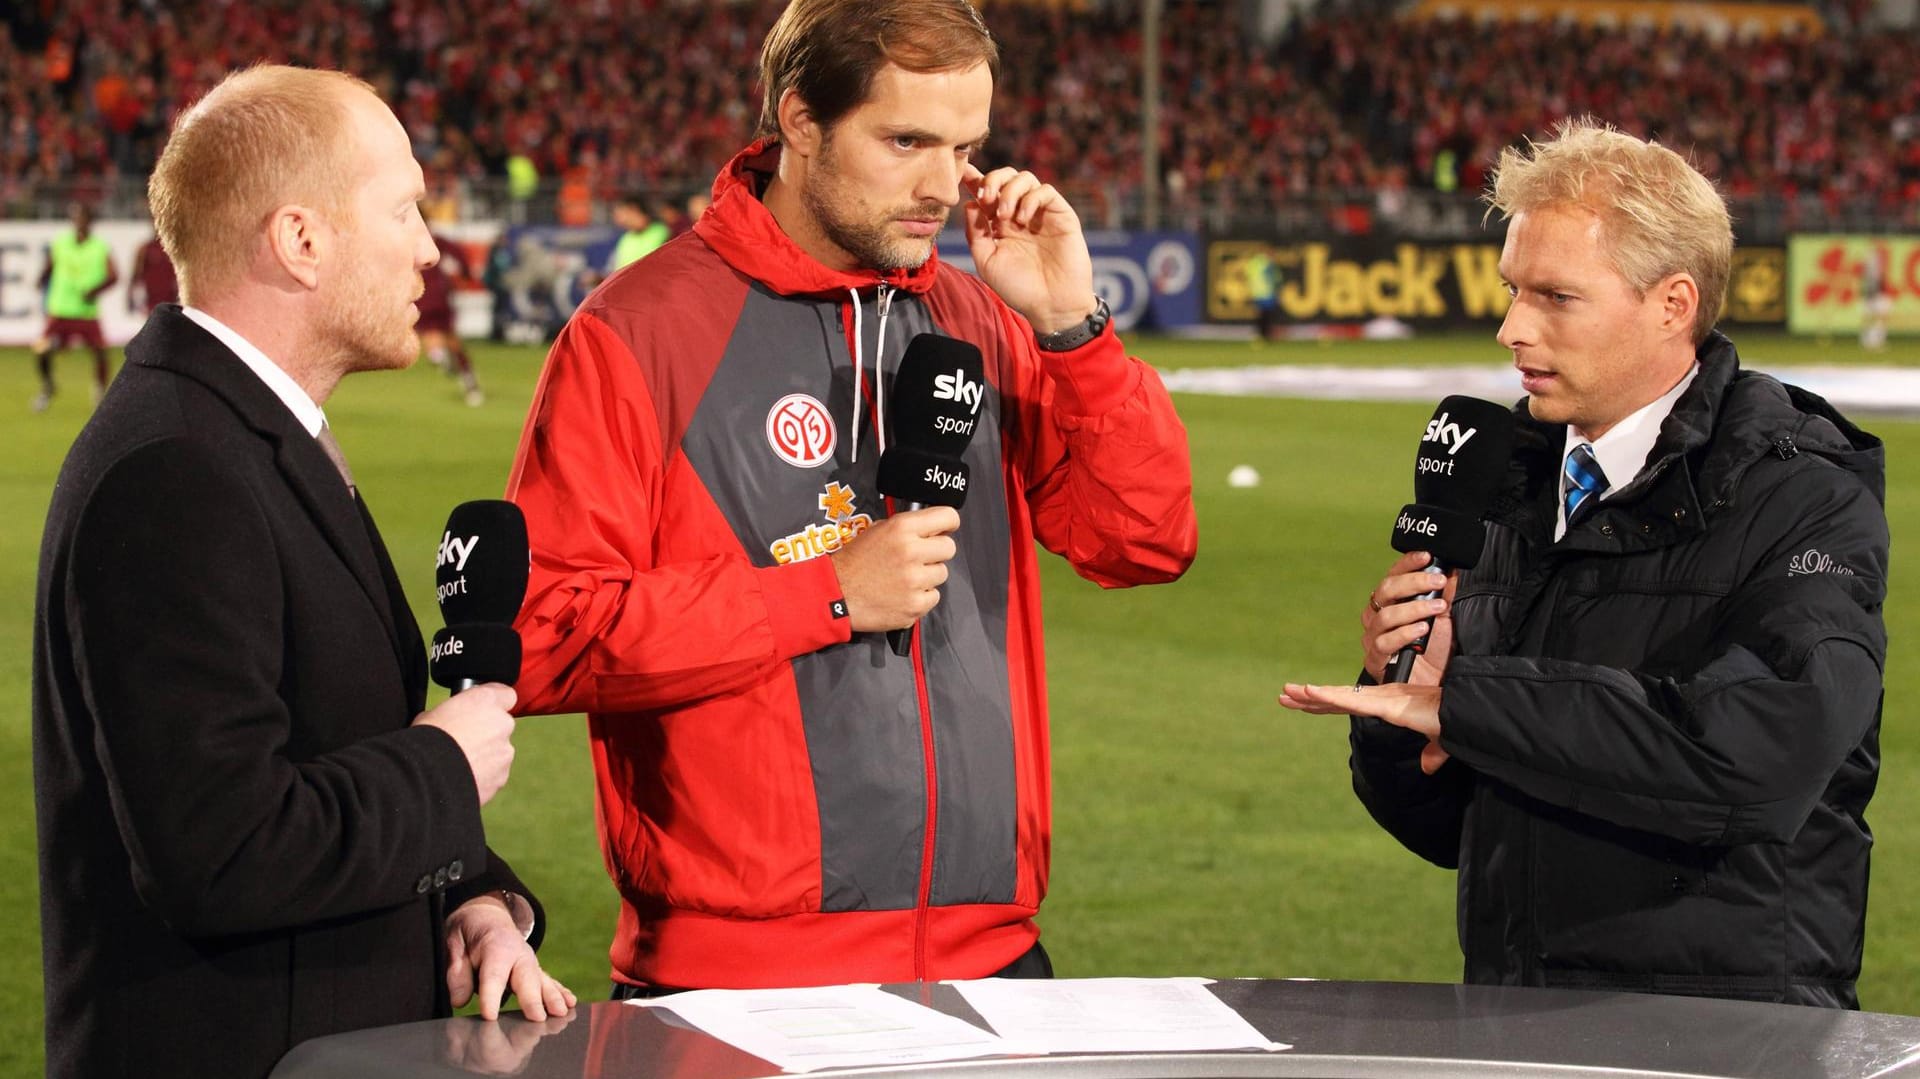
1646,730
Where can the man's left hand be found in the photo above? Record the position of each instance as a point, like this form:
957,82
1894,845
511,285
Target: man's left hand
1417,708
487,955
1027,246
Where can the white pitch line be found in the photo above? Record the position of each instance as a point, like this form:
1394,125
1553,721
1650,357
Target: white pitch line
1850,389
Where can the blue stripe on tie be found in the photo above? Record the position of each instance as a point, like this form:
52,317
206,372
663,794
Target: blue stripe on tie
1585,480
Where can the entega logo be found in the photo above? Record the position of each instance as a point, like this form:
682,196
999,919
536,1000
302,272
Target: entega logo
837,505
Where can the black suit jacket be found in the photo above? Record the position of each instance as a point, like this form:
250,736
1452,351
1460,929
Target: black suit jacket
243,843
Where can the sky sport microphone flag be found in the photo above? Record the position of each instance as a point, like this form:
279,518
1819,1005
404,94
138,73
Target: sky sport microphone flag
481,574
935,408
1456,473
481,571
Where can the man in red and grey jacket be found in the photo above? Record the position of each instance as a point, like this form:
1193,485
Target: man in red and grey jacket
781,799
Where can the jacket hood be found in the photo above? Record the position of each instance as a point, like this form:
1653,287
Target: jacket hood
740,229
1759,415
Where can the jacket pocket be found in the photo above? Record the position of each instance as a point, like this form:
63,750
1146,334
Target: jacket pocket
1612,902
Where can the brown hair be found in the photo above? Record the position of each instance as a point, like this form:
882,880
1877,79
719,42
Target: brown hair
265,137
1658,215
828,51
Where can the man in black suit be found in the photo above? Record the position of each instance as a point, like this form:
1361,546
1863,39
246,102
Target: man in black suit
250,834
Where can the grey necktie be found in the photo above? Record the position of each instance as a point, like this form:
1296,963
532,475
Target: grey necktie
332,448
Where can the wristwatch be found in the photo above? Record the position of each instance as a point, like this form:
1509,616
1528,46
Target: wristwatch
1074,336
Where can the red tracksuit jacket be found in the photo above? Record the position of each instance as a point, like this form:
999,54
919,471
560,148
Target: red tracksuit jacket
782,802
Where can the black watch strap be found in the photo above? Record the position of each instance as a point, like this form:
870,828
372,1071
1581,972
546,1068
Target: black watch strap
1074,336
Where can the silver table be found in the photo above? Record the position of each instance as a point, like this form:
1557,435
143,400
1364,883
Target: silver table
1339,1030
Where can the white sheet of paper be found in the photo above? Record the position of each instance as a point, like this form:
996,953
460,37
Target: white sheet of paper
836,1026
1111,1015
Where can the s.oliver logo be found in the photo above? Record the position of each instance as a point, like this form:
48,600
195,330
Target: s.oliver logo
800,430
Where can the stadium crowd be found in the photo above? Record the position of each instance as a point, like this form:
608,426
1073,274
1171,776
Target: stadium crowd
508,94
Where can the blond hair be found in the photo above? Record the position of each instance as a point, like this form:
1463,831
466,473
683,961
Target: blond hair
265,137
1658,215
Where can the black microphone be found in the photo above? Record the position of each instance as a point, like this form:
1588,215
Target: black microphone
481,576
1456,474
935,405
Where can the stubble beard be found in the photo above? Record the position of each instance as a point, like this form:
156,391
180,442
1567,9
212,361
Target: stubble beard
371,332
826,196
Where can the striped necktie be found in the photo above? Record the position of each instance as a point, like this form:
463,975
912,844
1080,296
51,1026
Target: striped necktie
1585,481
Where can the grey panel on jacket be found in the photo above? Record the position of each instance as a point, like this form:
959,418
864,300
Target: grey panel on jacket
965,645
858,702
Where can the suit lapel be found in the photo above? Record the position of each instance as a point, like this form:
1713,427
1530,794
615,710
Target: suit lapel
170,341
337,512
406,629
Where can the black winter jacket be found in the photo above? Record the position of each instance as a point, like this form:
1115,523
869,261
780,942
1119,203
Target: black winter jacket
1664,728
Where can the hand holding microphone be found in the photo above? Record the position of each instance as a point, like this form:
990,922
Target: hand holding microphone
890,578
1402,610
481,575
481,723
1457,471
936,400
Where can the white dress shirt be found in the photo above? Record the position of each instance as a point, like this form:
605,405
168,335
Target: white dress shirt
276,378
1622,451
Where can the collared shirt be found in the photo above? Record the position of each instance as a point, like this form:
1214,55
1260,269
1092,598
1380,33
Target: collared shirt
276,378
1622,451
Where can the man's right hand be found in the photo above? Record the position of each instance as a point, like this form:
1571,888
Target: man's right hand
890,574
478,720
1395,617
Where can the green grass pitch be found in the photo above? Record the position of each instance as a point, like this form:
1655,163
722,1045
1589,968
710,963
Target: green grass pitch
1199,829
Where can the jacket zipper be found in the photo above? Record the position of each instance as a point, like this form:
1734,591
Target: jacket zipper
923,900
923,897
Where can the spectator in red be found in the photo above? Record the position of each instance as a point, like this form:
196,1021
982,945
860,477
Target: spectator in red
153,279
1327,108
438,338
